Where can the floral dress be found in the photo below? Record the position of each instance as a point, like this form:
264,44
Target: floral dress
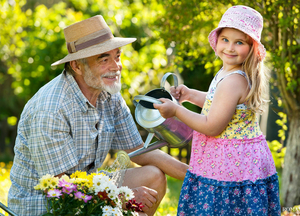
232,173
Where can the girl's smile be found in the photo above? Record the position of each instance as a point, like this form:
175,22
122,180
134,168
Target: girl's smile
233,47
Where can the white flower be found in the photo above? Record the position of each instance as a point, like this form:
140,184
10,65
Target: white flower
97,181
113,191
128,193
116,212
113,195
107,209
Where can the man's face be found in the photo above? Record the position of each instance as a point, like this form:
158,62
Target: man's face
103,72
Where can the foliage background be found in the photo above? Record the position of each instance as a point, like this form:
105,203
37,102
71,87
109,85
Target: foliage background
171,37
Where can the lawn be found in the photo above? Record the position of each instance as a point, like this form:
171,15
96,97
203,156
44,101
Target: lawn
168,206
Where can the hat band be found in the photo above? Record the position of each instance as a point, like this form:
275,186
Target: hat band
72,48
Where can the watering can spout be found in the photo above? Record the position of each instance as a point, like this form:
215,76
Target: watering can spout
124,158
150,147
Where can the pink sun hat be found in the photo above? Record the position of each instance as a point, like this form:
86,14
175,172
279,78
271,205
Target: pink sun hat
245,19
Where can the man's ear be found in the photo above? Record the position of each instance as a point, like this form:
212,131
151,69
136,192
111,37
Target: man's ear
77,68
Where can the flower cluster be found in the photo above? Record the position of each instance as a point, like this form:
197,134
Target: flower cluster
82,194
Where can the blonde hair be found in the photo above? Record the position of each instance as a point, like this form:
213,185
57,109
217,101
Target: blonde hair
258,75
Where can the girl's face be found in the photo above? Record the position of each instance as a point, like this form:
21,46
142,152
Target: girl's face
233,47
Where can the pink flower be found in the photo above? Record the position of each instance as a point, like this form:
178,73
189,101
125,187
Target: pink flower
248,191
236,192
83,196
262,191
67,187
79,194
186,197
54,193
205,206
63,183
237,210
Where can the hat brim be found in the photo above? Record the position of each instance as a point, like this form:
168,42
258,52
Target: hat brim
212,38
97,49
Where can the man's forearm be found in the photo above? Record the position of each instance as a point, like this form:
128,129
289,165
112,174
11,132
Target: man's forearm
165,162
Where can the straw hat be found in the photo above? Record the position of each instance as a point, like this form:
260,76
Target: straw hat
90,37
245,19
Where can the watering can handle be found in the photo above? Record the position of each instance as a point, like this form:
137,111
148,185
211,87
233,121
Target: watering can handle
145,98
163,80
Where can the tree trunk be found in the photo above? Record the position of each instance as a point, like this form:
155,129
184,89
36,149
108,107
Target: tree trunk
290,184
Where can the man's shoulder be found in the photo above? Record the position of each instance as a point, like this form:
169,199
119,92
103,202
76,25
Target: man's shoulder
117,100
52,96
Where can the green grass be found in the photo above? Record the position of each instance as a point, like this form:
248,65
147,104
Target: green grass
168,206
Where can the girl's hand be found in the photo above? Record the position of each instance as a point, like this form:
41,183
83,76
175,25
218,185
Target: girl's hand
167,109
180,93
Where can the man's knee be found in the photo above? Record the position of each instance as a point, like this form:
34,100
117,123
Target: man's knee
157,178
149,176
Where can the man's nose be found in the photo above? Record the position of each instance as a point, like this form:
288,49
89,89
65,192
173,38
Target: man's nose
115,65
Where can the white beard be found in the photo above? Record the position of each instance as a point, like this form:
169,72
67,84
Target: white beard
97,82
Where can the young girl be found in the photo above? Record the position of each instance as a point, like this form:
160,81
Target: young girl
231,169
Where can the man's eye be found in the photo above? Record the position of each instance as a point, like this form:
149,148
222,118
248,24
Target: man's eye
103,60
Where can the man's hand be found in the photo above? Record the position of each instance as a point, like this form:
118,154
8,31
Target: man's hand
146,195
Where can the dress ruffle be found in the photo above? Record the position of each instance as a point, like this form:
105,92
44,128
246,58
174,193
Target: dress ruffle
202,196
231,159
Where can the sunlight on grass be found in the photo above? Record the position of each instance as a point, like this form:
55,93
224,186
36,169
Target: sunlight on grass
168,206
4,183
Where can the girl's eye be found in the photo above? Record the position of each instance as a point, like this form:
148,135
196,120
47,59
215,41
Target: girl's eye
239,43
225,40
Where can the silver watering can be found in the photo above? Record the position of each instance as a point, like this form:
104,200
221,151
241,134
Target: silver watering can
169,132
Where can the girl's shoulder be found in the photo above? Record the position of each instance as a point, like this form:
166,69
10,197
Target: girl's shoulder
240,72
235,80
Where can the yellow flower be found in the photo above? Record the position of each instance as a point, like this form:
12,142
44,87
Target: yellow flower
37,187
44,184
46,177
67,179
79,174
53,182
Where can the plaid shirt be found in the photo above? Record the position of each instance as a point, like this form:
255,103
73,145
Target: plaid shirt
60,131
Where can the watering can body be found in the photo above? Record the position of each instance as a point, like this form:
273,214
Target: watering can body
169,132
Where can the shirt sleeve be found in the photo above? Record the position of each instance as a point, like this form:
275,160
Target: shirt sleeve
127,135
51,144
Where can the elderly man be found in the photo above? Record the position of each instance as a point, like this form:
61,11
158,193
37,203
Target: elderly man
73,121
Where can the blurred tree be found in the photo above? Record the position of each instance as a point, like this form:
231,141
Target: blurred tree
284,44
29,41
171,36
